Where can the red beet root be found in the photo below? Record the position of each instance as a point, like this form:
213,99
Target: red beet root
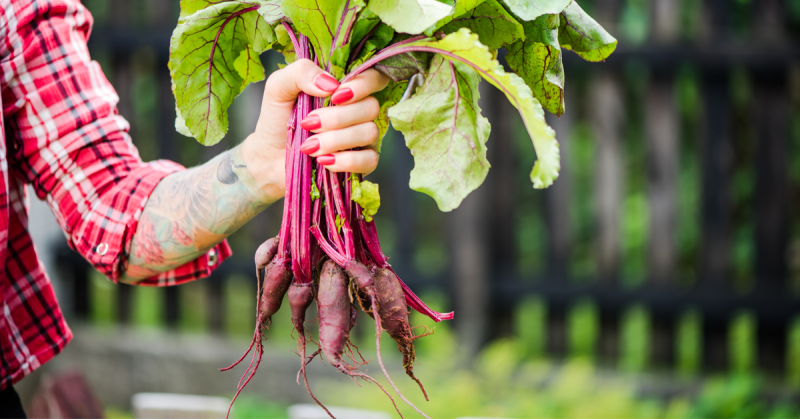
335,321
300,297
393,312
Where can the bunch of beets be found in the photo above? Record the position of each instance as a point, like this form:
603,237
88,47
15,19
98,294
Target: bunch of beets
436,53
327,251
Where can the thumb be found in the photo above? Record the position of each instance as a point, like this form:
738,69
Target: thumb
284,85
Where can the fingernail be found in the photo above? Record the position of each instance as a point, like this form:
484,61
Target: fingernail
326,82
326,160
342,96
310,146
311,123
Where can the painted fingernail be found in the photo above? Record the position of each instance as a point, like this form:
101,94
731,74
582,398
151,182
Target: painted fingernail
342,96
310,146
311,122
326,82
326,160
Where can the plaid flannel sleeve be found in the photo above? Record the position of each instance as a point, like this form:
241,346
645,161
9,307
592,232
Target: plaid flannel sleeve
70,143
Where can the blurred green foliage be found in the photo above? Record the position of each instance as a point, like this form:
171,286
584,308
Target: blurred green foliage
793,354
508,380
634,21
530,324
582,327
250,407
688,343
635,339
742,343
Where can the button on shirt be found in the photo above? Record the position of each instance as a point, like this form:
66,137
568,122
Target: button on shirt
61,134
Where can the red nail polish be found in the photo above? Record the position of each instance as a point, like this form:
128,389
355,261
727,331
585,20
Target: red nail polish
311,123
326,82
310,146
326,160
342,96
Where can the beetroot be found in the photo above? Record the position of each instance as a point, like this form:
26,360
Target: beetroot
334,313
393,312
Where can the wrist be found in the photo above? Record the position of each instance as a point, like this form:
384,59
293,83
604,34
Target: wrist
265,168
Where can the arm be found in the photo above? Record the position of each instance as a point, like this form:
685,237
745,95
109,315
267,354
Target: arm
191,211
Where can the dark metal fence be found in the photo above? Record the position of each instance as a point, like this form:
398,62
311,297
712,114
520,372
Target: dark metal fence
679,193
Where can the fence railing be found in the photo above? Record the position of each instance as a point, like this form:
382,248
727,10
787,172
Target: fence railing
677,206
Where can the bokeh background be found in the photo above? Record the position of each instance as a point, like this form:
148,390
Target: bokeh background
659,276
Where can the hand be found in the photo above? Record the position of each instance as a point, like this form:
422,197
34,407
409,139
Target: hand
348,125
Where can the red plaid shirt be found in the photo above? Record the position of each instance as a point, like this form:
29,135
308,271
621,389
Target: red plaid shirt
60,133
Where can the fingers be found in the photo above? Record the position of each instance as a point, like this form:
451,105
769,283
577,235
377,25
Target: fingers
338,117
361,86
356,136
355,161
284,85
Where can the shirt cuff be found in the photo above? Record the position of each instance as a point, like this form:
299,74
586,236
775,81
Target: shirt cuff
106,237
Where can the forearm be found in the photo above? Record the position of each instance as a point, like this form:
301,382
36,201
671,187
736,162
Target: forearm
191,211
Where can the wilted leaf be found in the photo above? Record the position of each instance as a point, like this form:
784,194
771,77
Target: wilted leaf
582,34
445,132
537,60
464,46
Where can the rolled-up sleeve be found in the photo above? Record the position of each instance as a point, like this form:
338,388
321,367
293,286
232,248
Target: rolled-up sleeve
68,141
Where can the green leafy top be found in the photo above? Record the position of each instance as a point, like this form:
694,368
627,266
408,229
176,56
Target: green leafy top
215,50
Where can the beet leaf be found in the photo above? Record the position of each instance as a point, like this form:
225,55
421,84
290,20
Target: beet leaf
446,133
213,55
582,34
537,59
531,9
411,16
490,20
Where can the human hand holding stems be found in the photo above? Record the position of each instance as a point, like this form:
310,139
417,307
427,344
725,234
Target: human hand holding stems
191,211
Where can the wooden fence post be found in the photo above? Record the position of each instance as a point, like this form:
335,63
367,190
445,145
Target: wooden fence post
715,212
772,212
606,111
557,205
503,180
662,174
606,119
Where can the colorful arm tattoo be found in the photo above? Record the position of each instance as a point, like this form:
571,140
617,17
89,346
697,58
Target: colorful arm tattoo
190,212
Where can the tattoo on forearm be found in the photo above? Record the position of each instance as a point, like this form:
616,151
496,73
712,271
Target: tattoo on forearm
225,173
191,211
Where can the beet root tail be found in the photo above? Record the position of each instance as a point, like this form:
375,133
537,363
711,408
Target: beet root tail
352,373
378,330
